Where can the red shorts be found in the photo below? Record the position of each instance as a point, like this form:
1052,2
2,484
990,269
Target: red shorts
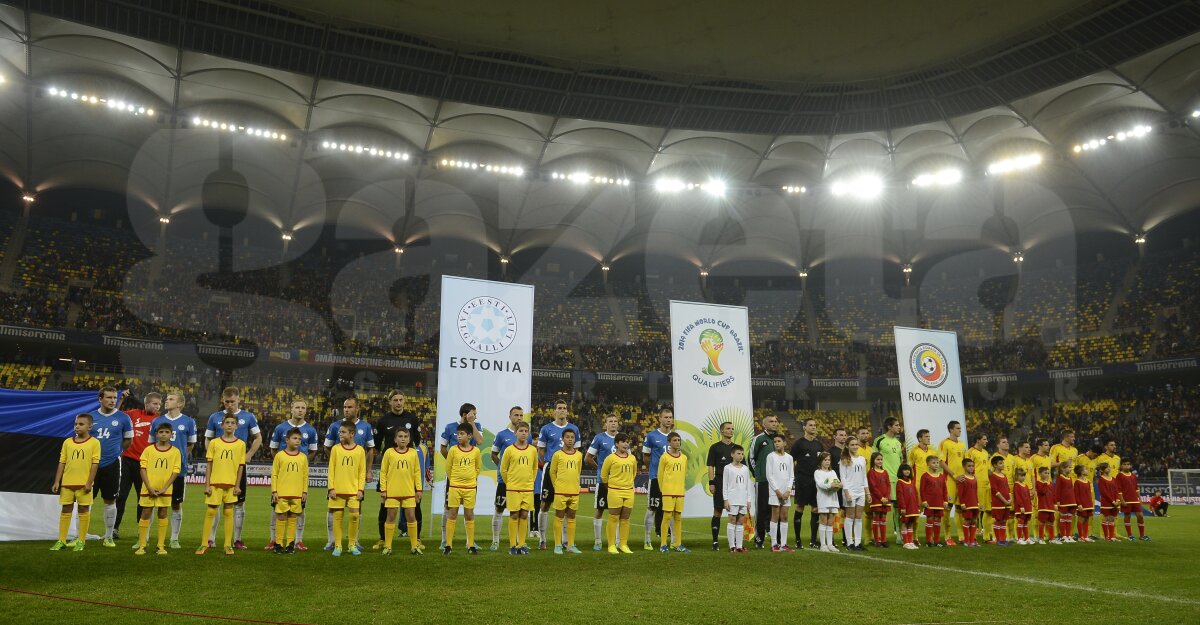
999,515
1045,516
881,508
933,516
1023,516
969,514
1066,509
1084,512
1109,511
1131,508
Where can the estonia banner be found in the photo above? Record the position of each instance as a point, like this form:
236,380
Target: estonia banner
485,358
33,425
710,374
931,392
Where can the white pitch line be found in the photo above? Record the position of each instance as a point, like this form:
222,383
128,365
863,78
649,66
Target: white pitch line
1032,580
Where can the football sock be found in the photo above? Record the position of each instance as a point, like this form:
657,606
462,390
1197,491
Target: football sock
382,521
110,520
329,528
664,531
731,535
1128,530
210,519
937,533
558,530
624,530
64,524
544,524
783,533
413,533
858,524
716,529
513,526
797,521
239,515
597,529
143,531
444,521
279,530
814,521
497,521
389,533
658,516
289,531
571,531
470,524
337,528
774,529
176,523
611,530
448,540
968,533
274,525
739,532
227,519
648,523
1141,527
537,505
1001,532
163,526
300,527
352,534
522,531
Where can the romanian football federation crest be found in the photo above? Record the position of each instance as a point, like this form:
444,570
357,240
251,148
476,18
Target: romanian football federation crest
928,365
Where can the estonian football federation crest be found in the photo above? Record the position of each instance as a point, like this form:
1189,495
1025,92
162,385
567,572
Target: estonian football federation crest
487,325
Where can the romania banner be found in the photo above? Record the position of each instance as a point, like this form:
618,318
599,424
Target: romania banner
710,374
931,392
485,358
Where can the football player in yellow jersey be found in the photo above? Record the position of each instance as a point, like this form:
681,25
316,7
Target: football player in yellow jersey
226,460
951,451
464,465
672,480
918,457
518,467
978,453
400,483
1064,450
347,478
1087,460
565,468
864,444
618,471
1110,456
289,490
77,465
1023,461
159,465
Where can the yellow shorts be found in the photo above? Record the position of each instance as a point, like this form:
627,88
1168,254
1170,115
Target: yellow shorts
400,502
951,489
284,506
68,496
162,501
341,502
220,495
464,497
520,501
672,504
563,502
619,499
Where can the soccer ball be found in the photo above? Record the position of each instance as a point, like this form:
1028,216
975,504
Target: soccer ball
928,364
832,483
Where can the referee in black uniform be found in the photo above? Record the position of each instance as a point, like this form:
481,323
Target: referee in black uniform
397,418
804,453
760,448
719,456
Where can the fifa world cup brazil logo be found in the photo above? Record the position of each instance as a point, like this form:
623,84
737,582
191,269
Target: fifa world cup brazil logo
712,343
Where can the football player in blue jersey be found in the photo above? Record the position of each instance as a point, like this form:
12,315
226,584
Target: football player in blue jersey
183,437
249,432
503,440
653,447
549,441
602,445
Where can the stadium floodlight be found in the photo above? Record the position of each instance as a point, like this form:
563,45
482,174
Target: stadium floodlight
791,189
669,185
863,187
604,267
715,188
164,220
703,273
940,178
398,250
803,273
1137,132
1016,163
907,268
3,79
234,127
503,260
287,236
28,198
1140,238
368,150
1018,257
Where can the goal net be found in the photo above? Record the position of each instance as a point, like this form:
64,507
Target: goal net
1183,486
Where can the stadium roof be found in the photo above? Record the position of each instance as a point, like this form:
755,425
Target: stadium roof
1033,78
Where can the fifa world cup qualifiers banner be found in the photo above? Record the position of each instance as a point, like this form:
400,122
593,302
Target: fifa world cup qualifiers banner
485,358
710,374
930,382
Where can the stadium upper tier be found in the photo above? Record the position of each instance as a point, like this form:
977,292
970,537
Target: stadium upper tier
834,323
1075,117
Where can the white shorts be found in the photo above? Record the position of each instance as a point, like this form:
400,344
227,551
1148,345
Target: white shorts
828,510
773,500
736,510
853,501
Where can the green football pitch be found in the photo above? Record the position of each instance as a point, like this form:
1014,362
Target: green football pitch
1092,583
